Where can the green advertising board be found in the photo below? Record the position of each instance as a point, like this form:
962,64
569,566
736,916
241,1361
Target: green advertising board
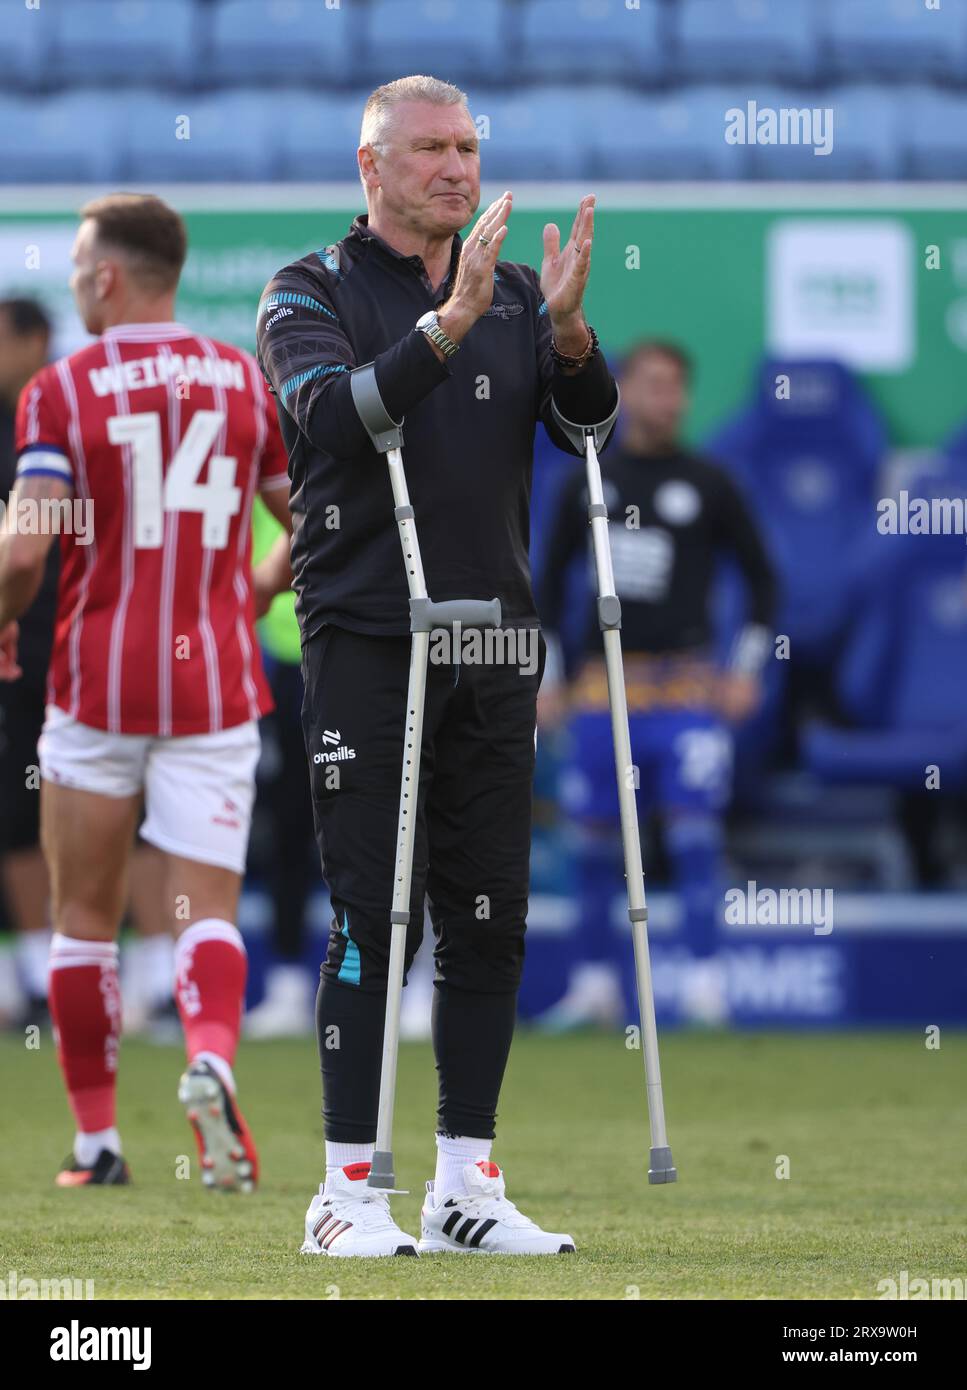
877,276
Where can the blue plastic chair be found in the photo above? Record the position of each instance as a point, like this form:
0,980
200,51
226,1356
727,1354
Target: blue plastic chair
862,135
62,139
808,466
592,40
230,137
896,39
676,136
319,137
538,133
132,41
933,135
450,38
27,39
904,670
284,41
724,39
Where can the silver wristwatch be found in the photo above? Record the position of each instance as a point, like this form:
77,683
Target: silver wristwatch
429,324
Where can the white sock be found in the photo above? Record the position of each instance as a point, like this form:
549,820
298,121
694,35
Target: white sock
87,1147
218,1065
153,968
33,956
339,1156
452,1156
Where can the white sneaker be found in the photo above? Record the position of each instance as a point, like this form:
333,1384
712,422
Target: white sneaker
704,997
481,1221
349,1218
287,1009
593,999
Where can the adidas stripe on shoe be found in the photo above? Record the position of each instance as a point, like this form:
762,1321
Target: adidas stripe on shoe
481,1220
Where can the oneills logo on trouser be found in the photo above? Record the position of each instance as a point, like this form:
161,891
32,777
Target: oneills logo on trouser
339,755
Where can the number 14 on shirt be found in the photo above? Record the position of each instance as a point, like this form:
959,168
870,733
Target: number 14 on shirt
157,491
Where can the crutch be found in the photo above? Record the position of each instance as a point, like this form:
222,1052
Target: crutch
425,615
586,438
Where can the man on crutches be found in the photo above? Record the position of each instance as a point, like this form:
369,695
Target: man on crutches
410,370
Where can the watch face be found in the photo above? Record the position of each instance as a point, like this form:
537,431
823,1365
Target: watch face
427,320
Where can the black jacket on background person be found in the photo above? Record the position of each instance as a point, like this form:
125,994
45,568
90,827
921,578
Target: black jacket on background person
673,517
468,431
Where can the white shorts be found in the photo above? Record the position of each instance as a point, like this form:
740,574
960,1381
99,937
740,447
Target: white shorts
198,789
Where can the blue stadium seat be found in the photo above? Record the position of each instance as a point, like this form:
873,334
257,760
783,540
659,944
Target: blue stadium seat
541,133
591,40
904,670
678,136
933,135
230,136
865,125
319,137
123,40
808,466
282,41
64,139
26,37
717,40
897,38
450,38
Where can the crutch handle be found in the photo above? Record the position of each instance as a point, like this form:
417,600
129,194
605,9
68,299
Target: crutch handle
425,615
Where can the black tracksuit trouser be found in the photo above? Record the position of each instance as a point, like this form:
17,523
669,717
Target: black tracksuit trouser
471,861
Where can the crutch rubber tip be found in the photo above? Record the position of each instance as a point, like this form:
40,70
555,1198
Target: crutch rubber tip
381,1170
660,1166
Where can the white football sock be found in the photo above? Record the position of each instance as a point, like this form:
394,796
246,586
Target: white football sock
452,1156
33,955
339,1156
152,960
87,1147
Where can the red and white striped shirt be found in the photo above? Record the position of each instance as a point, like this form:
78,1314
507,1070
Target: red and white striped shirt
164,437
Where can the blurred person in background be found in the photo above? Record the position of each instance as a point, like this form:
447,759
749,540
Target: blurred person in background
25,332
288,1007
672,516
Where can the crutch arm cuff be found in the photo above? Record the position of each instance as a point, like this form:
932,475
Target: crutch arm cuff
383,430
576,433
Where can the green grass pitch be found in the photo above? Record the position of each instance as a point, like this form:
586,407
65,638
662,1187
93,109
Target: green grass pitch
873,1126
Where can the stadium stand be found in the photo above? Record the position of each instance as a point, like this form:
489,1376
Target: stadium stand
538,68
